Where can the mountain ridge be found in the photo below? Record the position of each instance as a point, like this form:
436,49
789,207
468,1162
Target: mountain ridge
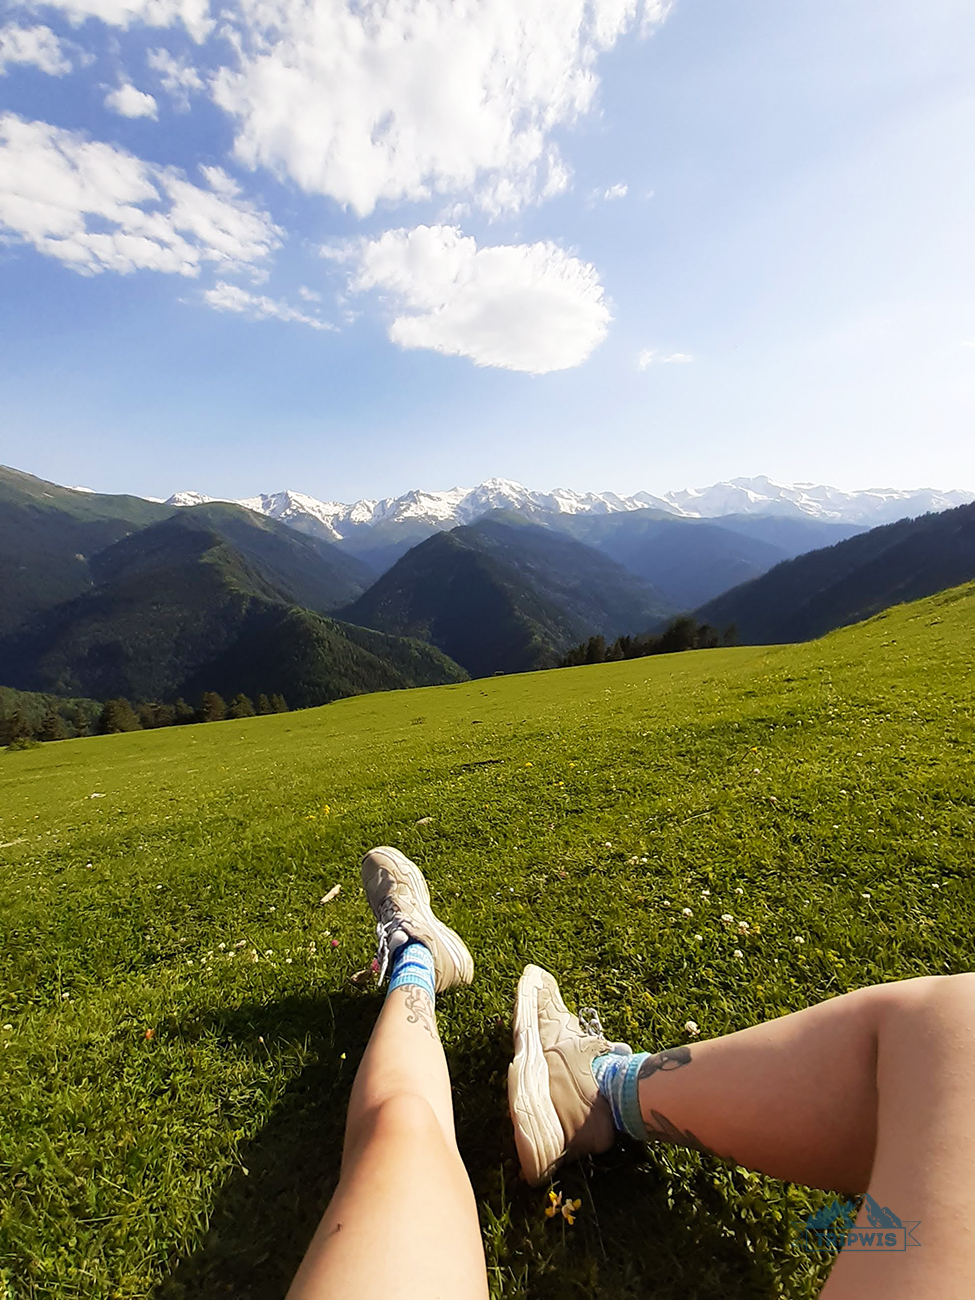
338,521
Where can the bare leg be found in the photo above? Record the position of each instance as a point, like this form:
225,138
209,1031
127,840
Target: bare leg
402,1223
870,1091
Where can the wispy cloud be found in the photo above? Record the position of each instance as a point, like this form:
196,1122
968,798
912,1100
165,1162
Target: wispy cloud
528,307
194,15
651,357
400,102
231,297
177,77
33,45
96,207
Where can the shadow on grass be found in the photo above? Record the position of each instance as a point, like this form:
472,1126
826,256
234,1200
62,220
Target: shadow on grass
664,1226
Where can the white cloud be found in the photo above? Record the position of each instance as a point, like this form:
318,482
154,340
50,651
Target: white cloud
649,357
373,102
97,207
616,192
129,102
178,78
230,297
36,45
193,14
528,307
309,295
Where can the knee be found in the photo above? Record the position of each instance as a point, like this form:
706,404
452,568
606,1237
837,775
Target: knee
405,1112
405,1116
935,1001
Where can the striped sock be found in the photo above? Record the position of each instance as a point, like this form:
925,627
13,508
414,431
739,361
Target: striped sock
617,1078
412,963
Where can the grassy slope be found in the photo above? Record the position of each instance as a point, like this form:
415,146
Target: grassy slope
804,776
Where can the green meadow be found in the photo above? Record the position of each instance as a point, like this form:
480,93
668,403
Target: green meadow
180,1029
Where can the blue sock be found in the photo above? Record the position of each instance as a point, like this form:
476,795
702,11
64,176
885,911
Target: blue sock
412,963
617,1078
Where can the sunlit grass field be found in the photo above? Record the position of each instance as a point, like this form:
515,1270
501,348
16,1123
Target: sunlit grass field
179,1029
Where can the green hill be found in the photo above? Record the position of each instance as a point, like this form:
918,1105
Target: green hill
179,609
825,791
296,568
845,583
506,595
48,535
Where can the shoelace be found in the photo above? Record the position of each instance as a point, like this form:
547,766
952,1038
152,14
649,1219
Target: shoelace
591,1024
387,923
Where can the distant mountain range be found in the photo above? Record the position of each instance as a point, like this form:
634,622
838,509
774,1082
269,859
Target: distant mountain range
105,596
504,594
212,598
740,496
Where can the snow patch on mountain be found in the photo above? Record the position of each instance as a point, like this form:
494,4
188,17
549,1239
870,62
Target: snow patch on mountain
336,520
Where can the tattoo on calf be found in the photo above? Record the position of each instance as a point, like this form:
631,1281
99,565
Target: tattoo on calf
672,1059
661,1129
420,1009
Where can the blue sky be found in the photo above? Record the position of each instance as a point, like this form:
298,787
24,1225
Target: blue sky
352,249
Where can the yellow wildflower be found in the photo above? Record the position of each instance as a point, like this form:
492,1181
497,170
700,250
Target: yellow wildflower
569,1210
556,1202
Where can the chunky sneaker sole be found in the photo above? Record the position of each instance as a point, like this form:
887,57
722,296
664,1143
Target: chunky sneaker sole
390,879
538,1130
556,1107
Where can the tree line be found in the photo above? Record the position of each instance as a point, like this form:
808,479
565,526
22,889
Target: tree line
19,730
684,633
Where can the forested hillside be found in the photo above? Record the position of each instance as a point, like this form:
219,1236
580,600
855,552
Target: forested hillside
845,583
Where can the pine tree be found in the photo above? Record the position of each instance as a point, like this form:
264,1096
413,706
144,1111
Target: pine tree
184,713
278,704
264,704
53,727
79,722
213,707
15,729
148,716
241,707
116,716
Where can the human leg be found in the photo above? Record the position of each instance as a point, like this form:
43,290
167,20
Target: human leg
869,1091
402,1223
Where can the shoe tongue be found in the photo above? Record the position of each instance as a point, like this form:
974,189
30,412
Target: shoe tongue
396,940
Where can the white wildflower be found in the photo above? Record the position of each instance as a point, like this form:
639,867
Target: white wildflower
743,927
691,1028
799,939
727,918
686,911
738,953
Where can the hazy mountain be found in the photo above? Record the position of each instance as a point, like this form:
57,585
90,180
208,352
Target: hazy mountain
180,608
845,583
48,535
690,561
504,594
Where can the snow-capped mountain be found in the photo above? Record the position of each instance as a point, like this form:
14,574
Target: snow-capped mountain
436,510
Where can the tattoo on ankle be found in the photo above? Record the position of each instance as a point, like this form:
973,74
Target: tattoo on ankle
661,1130
420,1009
672,1059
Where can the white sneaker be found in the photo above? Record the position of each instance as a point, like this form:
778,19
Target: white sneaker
400,901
